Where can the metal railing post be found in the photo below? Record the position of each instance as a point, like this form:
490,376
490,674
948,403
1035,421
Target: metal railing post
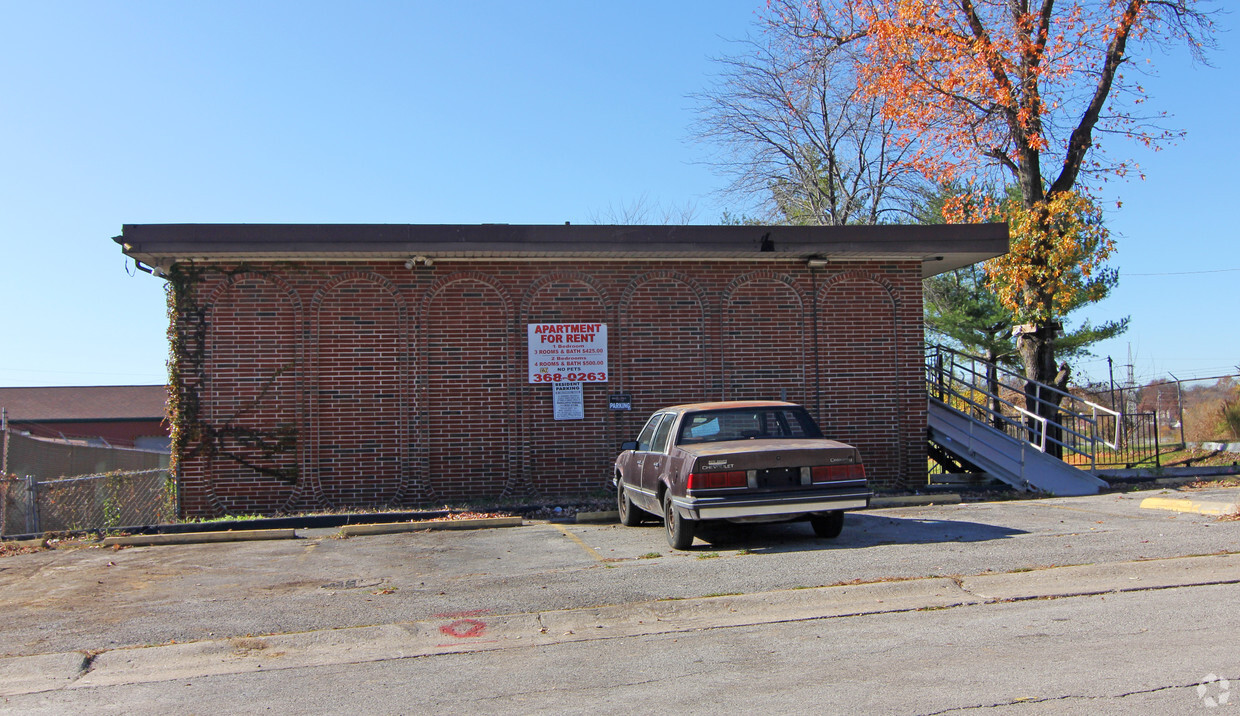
1157,449
32,514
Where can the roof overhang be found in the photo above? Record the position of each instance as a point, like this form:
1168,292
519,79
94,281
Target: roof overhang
939,248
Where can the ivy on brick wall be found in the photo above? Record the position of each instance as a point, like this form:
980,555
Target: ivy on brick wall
192,435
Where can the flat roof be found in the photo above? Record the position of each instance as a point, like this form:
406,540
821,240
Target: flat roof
79,403
940,247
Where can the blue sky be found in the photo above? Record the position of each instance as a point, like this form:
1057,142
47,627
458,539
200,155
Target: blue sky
481,112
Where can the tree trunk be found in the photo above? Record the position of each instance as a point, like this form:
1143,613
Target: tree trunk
992,385
1037,352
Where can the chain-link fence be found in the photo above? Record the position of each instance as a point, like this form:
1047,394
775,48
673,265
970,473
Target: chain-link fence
87,502
49,485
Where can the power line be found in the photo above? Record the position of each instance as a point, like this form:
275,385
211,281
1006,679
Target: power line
1181,273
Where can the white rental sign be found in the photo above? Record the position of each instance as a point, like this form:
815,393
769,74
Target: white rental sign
567,352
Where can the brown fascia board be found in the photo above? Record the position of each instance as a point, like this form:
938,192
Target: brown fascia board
940,248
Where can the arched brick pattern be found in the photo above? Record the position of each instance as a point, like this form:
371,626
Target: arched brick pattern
360,401
764,341
858,351
662,330
467,420
251,396
564,456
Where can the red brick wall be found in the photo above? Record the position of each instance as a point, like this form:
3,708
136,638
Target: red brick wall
408,387
250,385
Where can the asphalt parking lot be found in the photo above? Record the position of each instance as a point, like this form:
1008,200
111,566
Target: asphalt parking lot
99,599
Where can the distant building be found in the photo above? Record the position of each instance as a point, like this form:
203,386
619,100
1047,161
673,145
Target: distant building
117,415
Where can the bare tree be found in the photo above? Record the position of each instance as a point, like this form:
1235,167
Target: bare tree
799,141
643,210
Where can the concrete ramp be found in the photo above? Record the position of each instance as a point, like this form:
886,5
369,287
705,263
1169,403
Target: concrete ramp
1004,457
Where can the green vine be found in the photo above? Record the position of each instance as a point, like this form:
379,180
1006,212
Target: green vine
192,436
113,483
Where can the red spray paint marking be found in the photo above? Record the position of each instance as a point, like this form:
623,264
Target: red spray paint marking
464,628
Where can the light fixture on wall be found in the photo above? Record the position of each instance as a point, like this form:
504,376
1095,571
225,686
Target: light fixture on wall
817,263
418,260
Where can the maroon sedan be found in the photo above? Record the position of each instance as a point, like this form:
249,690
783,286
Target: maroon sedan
741,461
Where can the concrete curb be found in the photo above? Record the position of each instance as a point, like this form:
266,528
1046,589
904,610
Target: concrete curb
948,498
193,537
394,527
1158,474
450,634
1106,578
1200,507
41,672
597,517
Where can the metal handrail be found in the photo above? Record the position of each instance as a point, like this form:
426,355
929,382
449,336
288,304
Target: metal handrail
948,371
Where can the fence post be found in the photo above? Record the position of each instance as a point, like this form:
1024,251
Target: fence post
1157,449
32,514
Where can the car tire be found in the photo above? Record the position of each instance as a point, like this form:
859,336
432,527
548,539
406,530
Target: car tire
828,524
630,514
679,530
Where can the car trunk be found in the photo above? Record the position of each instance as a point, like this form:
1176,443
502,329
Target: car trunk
772,465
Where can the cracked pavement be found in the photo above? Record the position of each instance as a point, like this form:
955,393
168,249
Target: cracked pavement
924,610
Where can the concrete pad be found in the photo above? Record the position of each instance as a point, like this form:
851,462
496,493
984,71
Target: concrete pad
392,527
1106,578
914,500
748,609
196,537
466,632
479,630
44,672
597,517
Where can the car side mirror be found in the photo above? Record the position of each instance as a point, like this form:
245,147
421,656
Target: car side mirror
630,445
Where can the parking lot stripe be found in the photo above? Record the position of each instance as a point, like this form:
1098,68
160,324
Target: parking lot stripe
577,539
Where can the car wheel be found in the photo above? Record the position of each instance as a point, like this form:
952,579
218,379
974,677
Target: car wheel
829,524
679,530
630,514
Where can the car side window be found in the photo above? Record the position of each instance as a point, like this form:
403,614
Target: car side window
646,436
662,435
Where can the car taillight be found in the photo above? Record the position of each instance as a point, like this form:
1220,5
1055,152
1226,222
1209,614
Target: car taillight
716,480
837,473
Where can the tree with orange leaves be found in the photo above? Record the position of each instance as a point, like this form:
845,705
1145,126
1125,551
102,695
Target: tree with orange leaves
1018,93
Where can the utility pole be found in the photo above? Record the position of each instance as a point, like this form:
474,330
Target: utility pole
1111,372
1179,400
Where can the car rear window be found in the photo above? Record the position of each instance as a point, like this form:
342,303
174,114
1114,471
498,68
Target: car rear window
746,424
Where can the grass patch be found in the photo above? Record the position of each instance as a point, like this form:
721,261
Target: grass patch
649,555
709,555
225,518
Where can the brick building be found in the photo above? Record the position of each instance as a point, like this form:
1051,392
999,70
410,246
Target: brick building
364,365
119,415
